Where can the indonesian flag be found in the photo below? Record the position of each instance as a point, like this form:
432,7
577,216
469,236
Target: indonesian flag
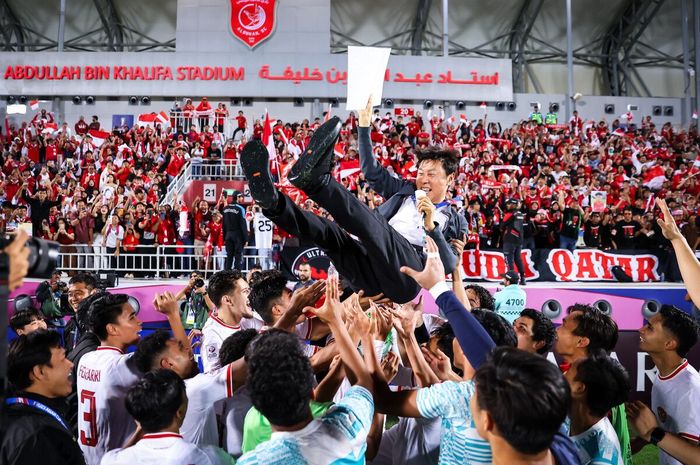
49,128
650,203
267,138
152,119
34,104
618,132
654,178
348,168
98,137
410,167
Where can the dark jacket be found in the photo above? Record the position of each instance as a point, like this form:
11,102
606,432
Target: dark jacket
396,190
512,227
30,436
235,225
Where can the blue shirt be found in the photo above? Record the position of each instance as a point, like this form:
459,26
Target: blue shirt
337,437
510,302
449,401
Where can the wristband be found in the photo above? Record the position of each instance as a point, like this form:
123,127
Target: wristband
657,435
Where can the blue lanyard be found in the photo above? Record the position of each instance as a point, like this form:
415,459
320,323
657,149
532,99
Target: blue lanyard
438,206
37,405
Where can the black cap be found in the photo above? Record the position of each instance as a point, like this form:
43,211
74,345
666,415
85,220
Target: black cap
235,194
511,276
512,201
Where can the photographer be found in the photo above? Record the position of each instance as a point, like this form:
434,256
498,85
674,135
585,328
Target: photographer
48,294
197,303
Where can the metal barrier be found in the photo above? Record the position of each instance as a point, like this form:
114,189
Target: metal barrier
225,170
163,261
195,118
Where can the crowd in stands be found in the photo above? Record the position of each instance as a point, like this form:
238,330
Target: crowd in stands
585,183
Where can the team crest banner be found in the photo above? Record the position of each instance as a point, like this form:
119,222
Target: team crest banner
252,21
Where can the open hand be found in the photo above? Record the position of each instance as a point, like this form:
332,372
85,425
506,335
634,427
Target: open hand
667,224
434,270
390,366
332,309
307,296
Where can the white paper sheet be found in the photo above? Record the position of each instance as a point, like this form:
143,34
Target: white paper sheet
366,69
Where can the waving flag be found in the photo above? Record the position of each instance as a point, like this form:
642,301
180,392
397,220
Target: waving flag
98,137
267,137
34,104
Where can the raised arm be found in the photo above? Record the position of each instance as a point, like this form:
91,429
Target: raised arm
687,262
379,179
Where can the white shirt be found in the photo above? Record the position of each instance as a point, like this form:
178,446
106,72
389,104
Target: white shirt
263,231
166,449
235,410
408,221
113,234
215,332
675,399
103,421
599,445
203,391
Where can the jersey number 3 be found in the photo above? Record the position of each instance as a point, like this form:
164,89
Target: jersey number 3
87,398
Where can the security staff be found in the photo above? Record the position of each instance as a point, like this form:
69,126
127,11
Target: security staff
235,232
511,300
512,228
536,116
550,118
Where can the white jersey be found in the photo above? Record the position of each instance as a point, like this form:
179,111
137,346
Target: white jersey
235,410
599,445
675,399
203,392
103,421
215,332
167,449
263,231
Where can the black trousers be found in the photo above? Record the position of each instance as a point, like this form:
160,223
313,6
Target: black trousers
234,250
513,255
371,263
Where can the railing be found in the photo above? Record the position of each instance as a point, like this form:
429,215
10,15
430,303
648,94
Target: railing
156,262
177,118
224,170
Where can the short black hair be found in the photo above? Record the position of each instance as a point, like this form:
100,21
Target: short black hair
599,328
265,289
486,300
526,418
28,351
155,399
542,329
149,349
235,345
445,335
447,157
501,332
221,283
280,378
86,278
22,318
607,382
681,325
104,310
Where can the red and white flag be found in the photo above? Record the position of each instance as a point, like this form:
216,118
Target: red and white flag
267,137
348,168
34,104
98,137
152,119
49,128
618,132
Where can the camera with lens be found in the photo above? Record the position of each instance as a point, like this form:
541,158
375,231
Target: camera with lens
199,282
43,256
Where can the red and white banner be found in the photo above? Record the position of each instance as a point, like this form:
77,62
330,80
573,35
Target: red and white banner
348,168
98,137
404,111
153,119
268,139
34,104
252,21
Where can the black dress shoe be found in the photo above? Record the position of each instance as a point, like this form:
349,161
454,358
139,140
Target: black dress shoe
316,162
255,161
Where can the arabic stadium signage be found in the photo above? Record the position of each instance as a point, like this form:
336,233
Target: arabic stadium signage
256,74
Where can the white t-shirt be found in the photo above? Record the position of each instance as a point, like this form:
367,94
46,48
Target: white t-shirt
167,449
599,445
263,231
675,399
235,410
412,441
113,234
203,391
104,378
408,221
215,332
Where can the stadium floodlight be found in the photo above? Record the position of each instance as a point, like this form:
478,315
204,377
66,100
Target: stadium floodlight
77,100
388,103
248,102
500,106
427,104
656,110
460,105
298,102
23,99
512,106
133,100
90,99
609,108
11,99
335,103
145,100
554,107
668,110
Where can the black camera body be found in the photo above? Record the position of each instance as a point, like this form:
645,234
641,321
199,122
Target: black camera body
199,282
43,256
